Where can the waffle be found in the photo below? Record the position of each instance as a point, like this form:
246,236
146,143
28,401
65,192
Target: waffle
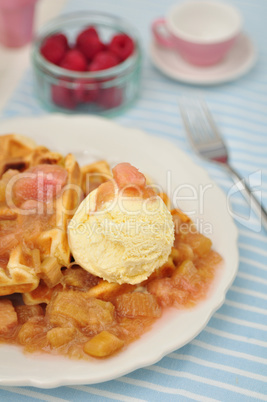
89,178
95,174
20,274
54,242
23,265
19,152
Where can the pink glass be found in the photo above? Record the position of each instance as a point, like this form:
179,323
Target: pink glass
16,22
201,54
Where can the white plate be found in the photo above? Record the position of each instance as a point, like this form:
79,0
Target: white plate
97,137
237,62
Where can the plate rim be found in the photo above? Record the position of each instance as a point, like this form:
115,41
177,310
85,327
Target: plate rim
123,371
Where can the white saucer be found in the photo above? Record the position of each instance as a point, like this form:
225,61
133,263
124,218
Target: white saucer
237,62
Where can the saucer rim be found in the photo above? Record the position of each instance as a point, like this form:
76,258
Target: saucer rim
206,81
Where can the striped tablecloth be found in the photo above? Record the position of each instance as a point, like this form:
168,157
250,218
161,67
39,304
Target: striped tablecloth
228,360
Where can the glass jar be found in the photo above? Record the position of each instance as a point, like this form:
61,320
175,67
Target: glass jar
104,92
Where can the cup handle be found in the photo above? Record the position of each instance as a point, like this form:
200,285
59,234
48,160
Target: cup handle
161,33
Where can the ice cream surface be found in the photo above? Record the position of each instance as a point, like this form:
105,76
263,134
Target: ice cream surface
124,239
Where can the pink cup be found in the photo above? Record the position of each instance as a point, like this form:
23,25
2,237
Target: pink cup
201,31
16,22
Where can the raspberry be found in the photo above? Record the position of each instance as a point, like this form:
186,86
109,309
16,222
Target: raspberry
85,91
121,45
89,44
62,96
110,98
103,60
54,48
88,31
63,39
74,60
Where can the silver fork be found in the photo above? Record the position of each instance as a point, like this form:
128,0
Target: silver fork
206,140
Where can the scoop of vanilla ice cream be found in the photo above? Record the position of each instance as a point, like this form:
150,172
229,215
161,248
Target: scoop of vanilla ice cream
123,242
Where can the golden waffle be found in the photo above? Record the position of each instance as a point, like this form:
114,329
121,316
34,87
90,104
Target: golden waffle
26,266
20,274
54,242
20,153
15,150
95,174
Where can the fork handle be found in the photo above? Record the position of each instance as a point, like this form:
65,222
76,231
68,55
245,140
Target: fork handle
250,197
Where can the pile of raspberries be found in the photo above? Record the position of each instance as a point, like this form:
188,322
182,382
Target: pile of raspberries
89,53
